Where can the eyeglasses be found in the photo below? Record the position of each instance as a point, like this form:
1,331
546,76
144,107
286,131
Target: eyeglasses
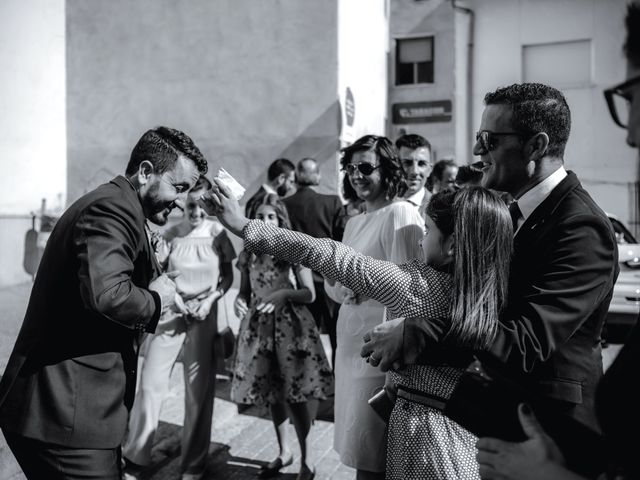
365,168
486,140
618,100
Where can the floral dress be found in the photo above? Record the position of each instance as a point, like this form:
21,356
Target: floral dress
422,442
279,356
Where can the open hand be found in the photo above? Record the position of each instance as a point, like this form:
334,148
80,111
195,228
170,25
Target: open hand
536,457
219,201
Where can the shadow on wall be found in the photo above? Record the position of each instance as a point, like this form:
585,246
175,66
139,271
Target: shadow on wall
320,140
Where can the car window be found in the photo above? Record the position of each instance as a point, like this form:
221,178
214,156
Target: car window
622,234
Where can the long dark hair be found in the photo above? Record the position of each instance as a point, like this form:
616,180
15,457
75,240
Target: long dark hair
393,183
483,243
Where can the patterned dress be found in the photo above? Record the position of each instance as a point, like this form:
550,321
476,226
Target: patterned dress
279,356
422,441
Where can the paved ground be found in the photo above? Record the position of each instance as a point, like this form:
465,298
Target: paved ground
240,442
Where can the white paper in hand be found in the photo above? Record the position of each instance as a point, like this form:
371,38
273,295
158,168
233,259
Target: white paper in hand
237,190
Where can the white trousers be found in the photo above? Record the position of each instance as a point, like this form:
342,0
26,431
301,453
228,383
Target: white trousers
199,382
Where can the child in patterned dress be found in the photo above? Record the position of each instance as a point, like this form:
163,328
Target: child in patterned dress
280,361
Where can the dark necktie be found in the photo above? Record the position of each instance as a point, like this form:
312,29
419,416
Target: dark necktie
515,213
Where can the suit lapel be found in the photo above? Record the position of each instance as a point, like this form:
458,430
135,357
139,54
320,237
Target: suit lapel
546,209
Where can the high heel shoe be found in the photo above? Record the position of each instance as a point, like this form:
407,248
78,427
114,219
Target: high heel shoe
306,474
273,468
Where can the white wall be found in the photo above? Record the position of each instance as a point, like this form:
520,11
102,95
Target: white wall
596,150
33,148
32,102
363,45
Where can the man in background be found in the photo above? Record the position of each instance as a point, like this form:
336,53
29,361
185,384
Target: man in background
415,158
280,180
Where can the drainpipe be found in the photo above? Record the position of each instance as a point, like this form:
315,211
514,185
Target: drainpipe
470,13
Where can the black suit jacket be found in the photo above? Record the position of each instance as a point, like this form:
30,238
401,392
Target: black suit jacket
71,376
253,200
315,214
564,267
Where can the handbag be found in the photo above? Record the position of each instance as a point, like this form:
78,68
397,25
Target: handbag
382,404
226,339
485,402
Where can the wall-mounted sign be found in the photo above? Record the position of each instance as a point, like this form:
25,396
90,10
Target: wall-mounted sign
422,112
349,107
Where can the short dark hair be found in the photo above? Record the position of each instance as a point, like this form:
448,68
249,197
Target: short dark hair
440,166
392,174
536,108
278,167
161,146
632,42
412,141
468,174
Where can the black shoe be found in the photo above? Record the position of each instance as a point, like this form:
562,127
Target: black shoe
272,469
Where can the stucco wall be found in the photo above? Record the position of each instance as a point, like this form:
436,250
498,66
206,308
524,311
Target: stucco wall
248,81
411,18
363,45
596,150
32,124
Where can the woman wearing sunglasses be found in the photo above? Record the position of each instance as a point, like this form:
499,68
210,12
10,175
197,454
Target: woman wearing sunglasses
389,229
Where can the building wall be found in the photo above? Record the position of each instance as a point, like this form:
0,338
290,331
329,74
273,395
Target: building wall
434,17
32,124
248,81
596,150
363,45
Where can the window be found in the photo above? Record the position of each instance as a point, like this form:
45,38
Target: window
414,61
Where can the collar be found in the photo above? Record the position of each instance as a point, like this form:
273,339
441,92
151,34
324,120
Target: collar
268,188
417,198
534,197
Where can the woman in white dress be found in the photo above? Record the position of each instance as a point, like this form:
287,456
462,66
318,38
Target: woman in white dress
389,229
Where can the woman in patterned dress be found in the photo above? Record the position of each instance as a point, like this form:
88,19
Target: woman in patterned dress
280,361
463,278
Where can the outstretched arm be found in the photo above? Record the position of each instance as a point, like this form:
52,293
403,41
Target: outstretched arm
377,279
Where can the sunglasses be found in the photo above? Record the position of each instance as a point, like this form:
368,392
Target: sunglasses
365,168
487,141
618,100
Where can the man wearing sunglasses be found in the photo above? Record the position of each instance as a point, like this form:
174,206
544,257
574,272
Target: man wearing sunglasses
415,159
539,457
565,253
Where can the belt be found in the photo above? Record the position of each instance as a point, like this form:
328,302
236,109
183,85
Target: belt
415,396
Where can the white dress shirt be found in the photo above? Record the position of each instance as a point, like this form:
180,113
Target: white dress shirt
531,199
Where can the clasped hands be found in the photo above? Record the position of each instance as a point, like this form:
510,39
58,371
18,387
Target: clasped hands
196,308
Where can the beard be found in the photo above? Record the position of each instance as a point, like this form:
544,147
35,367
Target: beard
155,209
161,218
282,191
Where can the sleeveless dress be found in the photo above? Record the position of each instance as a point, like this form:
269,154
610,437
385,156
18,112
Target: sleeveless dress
279,356
389,233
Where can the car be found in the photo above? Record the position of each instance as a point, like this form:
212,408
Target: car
625,303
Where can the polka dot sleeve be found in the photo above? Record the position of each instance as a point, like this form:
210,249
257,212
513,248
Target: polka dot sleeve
404,289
